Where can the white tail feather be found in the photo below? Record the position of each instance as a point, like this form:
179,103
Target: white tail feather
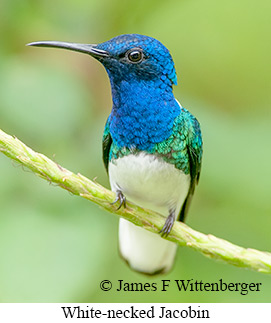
145,251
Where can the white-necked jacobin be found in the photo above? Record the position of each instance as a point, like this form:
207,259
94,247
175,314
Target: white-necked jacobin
152,146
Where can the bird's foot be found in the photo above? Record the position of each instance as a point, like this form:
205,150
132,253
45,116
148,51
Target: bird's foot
121,199
165,231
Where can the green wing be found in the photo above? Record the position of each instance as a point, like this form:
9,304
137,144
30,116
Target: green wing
183,149
194,152
107,142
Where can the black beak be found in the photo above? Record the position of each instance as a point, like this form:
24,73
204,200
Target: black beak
82,48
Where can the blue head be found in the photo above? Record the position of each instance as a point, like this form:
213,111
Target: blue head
138,57
141,72
128,57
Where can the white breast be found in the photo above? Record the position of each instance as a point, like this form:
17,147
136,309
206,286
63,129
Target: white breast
149,181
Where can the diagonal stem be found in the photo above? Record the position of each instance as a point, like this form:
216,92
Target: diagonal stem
208,245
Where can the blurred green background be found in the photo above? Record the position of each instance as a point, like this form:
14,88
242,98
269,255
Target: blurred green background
55,247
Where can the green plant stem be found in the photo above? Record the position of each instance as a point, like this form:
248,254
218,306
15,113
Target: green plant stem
182,234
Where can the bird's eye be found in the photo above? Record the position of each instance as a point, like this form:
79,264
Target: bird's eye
135,55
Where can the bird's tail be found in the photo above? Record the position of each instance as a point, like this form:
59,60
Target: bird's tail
145,251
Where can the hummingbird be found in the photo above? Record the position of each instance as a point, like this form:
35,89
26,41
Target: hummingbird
152,146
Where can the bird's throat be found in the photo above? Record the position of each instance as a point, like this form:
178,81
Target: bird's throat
143,114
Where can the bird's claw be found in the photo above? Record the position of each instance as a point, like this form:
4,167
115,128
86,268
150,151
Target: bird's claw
121,199
165,231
